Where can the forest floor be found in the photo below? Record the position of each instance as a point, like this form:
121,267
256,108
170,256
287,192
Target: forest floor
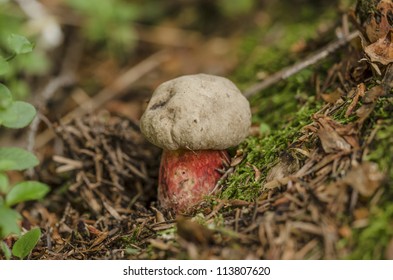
312,181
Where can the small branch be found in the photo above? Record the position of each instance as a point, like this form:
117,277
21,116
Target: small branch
66,77
297,67
47,93
118,87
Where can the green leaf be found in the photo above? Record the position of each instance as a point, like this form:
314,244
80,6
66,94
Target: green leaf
12,158
4,185
19,44
4,66
9,221
5,96
6,250
28,190
26,243
19,114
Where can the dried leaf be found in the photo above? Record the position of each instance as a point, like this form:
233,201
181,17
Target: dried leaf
286,166
257,173
236,160
382,50
369,100
378,23
333,96
373,94
365,178
331,141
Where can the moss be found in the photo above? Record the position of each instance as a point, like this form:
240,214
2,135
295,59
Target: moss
381,147
264,153
266,48
281,111
277,106
364,8
127,241
371,242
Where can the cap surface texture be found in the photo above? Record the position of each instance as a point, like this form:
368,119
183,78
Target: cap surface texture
196,112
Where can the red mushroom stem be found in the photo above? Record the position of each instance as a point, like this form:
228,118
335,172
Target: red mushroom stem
186,177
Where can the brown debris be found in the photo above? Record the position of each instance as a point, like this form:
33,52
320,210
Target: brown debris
379,22
330,138
359,93
382,50
365,178
111,161
306,203
333,96
193,232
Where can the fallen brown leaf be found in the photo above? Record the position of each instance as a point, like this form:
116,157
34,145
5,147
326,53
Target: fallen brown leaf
333,96
365,178
382,50
378,23
369,100
330,139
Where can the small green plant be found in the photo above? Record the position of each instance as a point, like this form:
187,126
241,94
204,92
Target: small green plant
108,22
31,64
16,114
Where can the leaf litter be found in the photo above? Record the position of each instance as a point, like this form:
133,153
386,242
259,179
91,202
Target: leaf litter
314,196
306,204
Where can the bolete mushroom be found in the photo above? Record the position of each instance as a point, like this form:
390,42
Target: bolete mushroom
194,119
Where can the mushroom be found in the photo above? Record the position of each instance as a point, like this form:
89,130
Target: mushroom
194,119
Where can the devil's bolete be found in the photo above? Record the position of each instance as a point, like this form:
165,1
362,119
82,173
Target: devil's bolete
194,119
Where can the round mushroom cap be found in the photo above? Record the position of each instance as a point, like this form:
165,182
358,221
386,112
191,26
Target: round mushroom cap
196,112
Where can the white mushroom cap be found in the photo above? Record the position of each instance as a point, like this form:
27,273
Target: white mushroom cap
197,112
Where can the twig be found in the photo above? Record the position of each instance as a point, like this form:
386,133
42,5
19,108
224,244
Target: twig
291,70
66,77
49,90
117,88
222,179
